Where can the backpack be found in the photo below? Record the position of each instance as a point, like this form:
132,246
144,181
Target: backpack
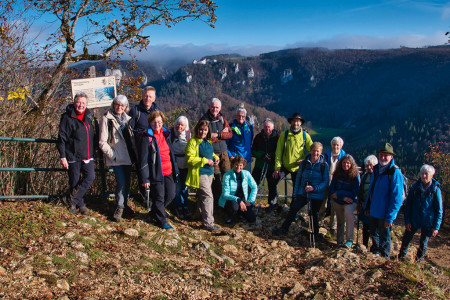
391,172
322,168
110,132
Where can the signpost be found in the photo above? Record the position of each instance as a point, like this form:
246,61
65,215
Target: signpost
100,90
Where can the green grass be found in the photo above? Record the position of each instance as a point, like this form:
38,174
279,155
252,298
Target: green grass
63,263
327,134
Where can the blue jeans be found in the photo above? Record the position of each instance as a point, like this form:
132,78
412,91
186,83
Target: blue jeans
81,177
423,242
123,178
381,237
181,199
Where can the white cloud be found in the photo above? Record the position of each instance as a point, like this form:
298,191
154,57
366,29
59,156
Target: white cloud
446,12
369,42
178,55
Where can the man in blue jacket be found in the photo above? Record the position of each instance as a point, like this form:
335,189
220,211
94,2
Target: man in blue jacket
384,200
241,141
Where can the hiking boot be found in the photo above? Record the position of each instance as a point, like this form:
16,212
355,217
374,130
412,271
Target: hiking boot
118,214
348,244
84,210
128,211
73,209
167,226
69,202
179,212
212,228
270,208
279,231
187,213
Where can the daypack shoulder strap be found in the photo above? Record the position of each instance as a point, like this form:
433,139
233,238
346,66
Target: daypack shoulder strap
304,139
110,131
371,190
284,147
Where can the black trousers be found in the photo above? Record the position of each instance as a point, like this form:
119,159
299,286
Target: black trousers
162,194
81,177
232,209
296,205
271,182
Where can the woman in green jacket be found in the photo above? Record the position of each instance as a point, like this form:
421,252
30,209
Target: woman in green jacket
201,159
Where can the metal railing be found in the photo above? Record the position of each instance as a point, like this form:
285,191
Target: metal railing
103,171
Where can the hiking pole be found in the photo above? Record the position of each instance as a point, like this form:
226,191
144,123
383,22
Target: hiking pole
358,211
261,184
357,231
147,190
312,241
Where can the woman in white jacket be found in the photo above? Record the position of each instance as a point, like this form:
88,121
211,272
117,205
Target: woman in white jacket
117,143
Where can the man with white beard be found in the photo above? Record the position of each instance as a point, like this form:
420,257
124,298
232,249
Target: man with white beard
384,200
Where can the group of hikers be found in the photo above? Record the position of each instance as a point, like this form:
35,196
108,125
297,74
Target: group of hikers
215,159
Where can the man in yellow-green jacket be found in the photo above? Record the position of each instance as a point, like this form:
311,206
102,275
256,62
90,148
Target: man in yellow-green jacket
291,148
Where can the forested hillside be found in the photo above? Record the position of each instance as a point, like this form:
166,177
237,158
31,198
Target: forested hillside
366,96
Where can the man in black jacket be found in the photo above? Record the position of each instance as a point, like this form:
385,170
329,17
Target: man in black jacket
139,123
263,149
76,150
220,131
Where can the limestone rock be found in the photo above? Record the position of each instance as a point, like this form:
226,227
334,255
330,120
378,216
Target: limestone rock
215,255
297,288
202,246
171,243
229,259
222,238
69,235
84,258
230,248
131,232
63,284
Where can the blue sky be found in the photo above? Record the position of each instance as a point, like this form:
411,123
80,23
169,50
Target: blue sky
250,27
280,23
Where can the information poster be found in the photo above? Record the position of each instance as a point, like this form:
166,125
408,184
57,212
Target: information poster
100,90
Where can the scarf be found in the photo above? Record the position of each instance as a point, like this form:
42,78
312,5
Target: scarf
120,119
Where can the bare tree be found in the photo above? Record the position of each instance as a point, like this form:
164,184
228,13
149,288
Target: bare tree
99,29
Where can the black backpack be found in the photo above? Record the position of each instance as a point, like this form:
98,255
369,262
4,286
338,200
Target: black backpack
391,172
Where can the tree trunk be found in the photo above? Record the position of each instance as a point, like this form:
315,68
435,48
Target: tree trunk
56,78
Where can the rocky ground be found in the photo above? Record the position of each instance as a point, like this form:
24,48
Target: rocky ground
45,252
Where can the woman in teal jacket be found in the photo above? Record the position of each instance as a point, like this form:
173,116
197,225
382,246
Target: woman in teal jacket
235,192
423,209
